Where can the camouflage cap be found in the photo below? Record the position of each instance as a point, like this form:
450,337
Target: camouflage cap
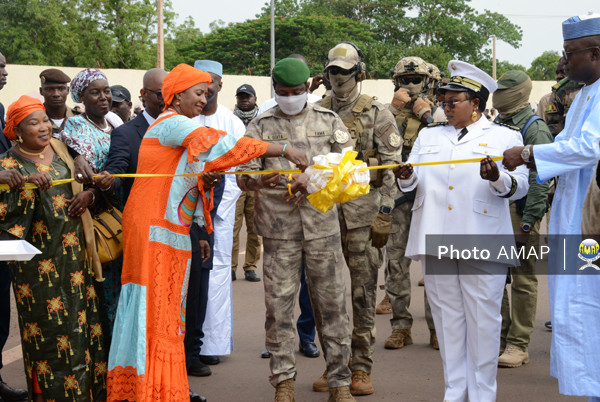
290,72
343,55
511,79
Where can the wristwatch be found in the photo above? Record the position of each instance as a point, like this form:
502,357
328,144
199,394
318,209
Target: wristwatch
525,227
385,210
526,154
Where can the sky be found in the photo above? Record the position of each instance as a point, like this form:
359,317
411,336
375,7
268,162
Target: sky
540,20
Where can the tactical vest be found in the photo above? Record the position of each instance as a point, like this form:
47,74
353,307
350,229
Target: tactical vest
409,127
356,130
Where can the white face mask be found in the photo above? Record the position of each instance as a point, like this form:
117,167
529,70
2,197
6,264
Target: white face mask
291,105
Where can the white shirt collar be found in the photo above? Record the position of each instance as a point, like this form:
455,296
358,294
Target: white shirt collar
149,118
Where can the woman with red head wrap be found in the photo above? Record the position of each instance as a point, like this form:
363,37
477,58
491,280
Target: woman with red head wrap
147,359
61,328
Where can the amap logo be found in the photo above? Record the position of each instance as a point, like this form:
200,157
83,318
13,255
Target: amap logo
589,251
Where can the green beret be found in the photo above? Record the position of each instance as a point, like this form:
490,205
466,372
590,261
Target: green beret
511,79
53,76
290,72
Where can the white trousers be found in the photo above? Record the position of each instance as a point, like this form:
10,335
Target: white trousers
465,298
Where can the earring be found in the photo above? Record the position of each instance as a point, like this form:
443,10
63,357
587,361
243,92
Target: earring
474,116
178,103
19,139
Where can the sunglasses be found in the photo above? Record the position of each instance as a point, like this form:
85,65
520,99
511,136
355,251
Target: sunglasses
410,80
452,104
157,93
335,70
566,54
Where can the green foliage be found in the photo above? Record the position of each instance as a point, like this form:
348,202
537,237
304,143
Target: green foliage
244,48
94,33
543,68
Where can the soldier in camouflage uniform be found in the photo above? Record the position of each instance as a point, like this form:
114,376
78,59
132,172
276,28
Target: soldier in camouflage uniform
553,107
366,221
295,233
412,79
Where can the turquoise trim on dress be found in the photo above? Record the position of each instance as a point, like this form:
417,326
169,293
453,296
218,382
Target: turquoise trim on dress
129,348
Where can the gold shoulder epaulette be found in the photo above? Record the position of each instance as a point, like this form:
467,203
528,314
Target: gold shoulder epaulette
439,123
508,126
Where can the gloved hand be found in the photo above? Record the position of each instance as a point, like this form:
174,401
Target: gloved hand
380,230
401,98
420,107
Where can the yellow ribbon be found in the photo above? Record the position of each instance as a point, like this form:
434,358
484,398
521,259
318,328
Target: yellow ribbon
287,172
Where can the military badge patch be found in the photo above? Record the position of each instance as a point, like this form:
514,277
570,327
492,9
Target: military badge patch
341,137
394,140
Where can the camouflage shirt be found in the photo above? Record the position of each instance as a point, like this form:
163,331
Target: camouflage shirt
380,133
315,131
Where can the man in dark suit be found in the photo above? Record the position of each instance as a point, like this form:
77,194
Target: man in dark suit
6,392
125,140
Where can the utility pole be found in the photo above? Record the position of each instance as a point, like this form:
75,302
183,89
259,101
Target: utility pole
494,57
160,40
272,41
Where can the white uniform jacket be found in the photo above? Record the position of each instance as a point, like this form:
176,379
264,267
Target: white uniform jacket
452,199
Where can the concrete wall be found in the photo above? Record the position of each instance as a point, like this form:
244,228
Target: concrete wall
25,80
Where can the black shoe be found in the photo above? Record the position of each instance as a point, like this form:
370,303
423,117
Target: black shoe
233,278
548,324
10,394
309,349
265,354
251,276
198,369
194,397
212,360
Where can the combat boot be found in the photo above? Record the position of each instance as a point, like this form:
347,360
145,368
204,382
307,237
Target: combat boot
361,383
433,341
321,384
285,391
384,307
399,339
513,357
340,394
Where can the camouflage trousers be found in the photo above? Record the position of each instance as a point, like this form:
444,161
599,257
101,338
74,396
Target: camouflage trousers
397,278
363,262
518,316
244,208
324,269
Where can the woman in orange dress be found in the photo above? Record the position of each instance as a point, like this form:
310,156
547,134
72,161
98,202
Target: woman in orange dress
147,359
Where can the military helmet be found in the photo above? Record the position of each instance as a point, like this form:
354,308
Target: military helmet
434,72
410,66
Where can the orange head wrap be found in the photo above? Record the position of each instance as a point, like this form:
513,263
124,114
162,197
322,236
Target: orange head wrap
181,78
17,111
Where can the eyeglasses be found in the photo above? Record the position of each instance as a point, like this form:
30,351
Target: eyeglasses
566,54
452,104
157,93
410,80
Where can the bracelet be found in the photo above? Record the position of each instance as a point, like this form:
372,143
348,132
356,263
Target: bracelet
283,150
93,197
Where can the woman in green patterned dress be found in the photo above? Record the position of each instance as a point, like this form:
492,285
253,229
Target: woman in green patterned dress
57,303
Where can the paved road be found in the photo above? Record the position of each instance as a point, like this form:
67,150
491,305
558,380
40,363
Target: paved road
413,373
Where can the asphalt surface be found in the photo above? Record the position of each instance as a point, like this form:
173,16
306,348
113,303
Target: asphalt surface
413,373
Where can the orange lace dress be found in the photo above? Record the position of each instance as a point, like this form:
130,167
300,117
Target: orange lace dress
147,359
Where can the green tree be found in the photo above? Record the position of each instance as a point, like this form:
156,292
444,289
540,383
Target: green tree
93,33
543,68
244,48
37,31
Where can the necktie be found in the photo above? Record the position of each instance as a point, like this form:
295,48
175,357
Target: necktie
462,133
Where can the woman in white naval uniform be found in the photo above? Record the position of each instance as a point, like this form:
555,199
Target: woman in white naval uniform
464,199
